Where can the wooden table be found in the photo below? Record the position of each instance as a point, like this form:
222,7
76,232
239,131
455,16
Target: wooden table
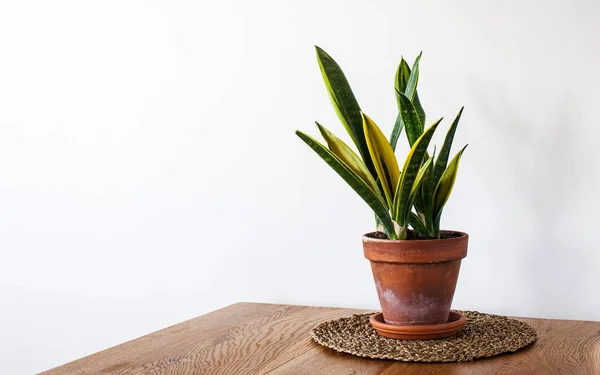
252,338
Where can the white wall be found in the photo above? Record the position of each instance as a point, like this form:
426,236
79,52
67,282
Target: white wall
149,170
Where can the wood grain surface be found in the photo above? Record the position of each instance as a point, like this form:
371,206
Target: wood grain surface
252,338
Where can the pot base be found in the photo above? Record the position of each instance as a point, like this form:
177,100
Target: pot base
423,332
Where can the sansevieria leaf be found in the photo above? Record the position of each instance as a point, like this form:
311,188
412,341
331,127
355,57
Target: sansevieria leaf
419,179
411,85
383,158
349,157
402,77
417,103
413,196
442,160
446,183
403,74
426,196
373,199
410,118
417,224
398,126
344,103
420,199
412,165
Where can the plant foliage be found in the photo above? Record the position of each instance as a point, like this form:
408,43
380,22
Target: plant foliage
413,195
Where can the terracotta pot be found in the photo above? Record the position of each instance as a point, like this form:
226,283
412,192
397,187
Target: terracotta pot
415,279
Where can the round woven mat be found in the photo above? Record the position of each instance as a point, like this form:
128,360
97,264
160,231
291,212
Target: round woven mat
484,335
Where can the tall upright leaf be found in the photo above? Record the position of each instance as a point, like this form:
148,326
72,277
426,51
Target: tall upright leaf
402,77
417,103
383,158
413,79
415,221
446,183
403,74
398,126
410,118
344,103
345,153
412,165
420,200
442,161
419,178
356,183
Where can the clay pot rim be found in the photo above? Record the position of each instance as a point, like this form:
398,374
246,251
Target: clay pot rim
366,238
416,251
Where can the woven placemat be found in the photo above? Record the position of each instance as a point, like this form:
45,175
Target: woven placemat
484,335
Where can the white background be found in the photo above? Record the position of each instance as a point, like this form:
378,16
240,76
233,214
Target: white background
149,171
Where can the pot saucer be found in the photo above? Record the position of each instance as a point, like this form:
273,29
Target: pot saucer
419,332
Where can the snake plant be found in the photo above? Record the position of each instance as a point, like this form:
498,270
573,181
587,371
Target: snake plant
424,182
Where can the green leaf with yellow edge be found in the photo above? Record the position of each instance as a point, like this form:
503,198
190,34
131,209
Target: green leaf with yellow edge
374,200
442,160
410,118
349,157
426,195
398,126
402,76
419,179
383,158
417,224
413,80
445,185
417,103
416,196
345,103
410,170
400,82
